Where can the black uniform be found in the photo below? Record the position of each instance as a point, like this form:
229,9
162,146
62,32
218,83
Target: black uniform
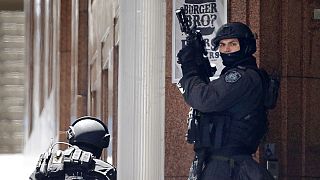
87,137
233,117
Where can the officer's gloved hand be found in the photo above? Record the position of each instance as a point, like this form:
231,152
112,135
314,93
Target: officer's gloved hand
188,57
186,54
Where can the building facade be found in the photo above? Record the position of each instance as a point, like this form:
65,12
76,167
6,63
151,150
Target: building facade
112,59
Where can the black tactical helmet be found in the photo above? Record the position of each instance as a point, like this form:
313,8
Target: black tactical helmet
89,131
237,30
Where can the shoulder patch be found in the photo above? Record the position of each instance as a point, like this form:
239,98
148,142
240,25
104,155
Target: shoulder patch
232,76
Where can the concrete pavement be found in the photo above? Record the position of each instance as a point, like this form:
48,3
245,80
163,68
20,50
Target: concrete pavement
16,166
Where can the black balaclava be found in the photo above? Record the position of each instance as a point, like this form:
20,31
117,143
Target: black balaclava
236,58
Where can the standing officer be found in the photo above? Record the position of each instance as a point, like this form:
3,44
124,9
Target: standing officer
87,136
233,119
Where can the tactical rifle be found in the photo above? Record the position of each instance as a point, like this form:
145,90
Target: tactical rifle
194,39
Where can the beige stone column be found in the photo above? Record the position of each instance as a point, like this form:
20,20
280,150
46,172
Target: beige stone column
141,90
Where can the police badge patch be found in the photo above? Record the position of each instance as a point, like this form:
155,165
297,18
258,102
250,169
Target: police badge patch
232,77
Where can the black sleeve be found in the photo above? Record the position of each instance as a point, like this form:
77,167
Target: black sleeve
106,169
219,94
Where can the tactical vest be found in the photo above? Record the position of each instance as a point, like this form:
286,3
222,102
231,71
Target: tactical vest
72,163
224,134
239,132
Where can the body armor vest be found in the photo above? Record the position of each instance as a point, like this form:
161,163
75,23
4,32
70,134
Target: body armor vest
239,130
72,163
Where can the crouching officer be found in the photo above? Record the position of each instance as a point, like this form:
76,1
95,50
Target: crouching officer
87,137
233,118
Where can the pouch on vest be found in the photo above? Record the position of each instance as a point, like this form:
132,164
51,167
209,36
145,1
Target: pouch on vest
56,164
271,85
71,163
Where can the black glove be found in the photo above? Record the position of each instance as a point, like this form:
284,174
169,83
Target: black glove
188,57
189,69
188,54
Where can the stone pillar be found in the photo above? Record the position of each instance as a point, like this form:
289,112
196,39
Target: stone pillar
141,90
79,58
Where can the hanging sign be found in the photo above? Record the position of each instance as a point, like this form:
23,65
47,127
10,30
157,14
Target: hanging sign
208,16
